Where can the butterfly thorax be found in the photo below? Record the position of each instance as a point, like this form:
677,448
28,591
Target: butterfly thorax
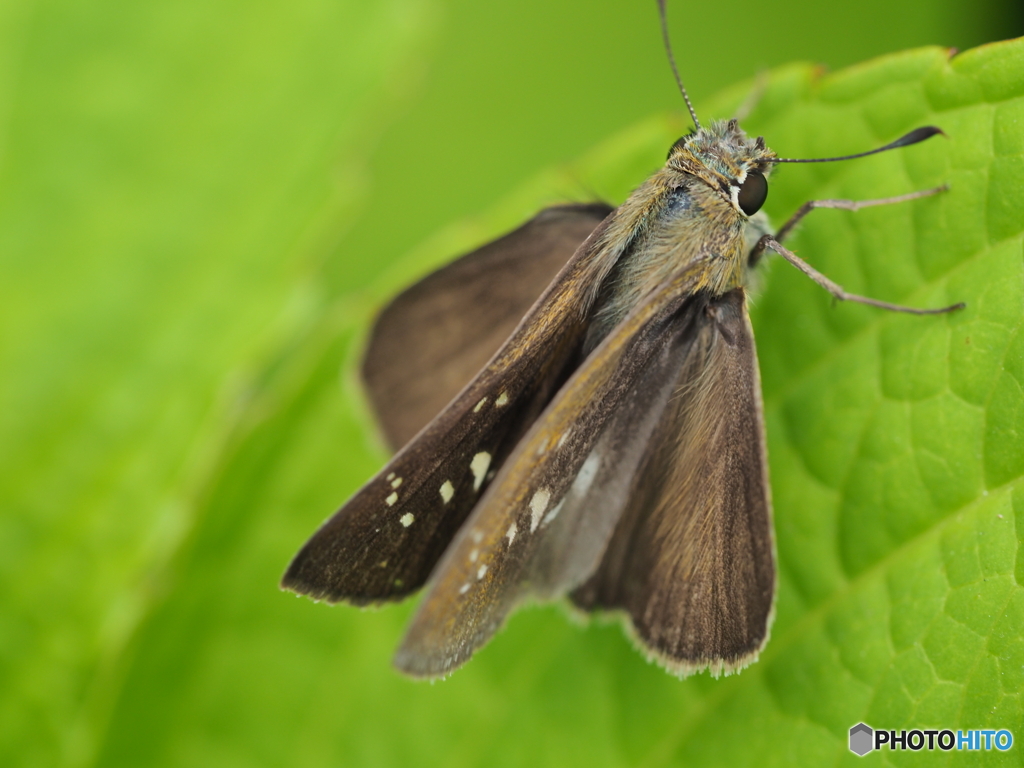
685,218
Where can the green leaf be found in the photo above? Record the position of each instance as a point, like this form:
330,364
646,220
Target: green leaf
896,466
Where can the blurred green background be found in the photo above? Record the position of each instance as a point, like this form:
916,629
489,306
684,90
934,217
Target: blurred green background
194,200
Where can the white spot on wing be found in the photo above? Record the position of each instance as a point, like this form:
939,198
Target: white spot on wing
391,476
481,572
474,555
586,475
464,589
502,400
478,466
480,405
396,482
406,519
390,500
476,536
510,534
538,504
563,438
447,491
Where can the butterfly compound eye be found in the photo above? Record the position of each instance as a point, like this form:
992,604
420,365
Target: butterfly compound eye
753,193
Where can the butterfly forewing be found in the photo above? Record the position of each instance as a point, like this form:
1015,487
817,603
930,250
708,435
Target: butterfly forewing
432,339
384,542
577,531
488,566
691,562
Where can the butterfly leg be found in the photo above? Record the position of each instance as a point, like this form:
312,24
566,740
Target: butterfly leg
853,205
769,242
847,205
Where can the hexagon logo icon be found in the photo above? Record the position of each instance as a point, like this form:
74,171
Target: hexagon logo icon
861,738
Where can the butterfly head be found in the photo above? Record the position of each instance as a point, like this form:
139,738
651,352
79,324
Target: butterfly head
725,158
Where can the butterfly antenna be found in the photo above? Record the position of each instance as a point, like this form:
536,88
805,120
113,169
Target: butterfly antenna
672,61
916,135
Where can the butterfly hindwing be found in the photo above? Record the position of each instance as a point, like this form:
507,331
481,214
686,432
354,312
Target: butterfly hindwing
385,541
691,562
435,336
492,560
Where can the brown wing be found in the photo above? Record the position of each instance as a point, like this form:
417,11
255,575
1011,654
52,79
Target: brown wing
434,337
691,562
384,542
498,555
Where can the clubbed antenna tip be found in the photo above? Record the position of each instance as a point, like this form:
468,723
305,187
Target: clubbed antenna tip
916,135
